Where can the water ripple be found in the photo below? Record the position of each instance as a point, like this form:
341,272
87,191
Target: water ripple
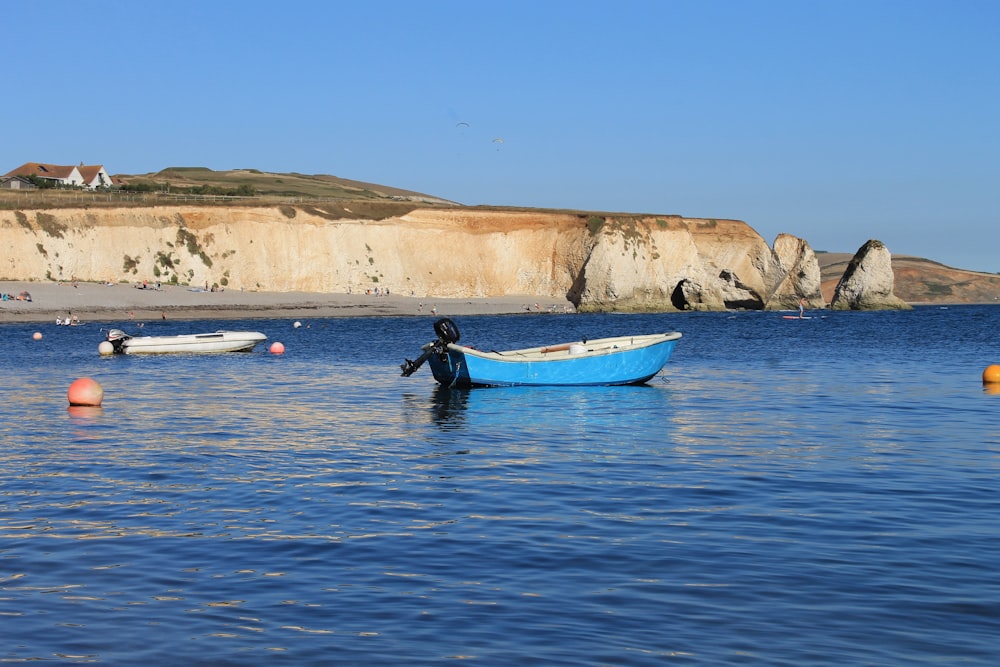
786,496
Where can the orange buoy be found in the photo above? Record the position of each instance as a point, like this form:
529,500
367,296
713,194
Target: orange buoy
85,391
992,374
37,335
277,348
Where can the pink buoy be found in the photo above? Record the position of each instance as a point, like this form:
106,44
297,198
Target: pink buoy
277,348
85,391
37,335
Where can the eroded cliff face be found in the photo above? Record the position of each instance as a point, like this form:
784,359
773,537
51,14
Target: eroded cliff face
597,262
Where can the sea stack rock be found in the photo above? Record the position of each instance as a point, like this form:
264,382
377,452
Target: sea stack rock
867,284
799,274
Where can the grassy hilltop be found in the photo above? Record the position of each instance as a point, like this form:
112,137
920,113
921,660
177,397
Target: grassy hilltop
264,184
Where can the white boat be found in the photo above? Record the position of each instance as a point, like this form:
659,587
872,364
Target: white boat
220,341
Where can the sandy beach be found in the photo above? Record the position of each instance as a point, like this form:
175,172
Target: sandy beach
99,302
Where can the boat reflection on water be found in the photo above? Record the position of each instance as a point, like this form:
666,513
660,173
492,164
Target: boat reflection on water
448,406
564,410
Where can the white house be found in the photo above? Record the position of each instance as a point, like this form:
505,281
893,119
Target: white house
92,177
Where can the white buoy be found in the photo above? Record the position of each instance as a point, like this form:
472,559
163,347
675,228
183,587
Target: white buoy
297,325
105,348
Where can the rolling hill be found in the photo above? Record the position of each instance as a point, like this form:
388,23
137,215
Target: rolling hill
265,184
919,280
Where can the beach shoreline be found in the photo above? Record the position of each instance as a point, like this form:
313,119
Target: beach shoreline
120,302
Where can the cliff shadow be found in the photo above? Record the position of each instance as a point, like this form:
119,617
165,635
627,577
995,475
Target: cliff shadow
575,292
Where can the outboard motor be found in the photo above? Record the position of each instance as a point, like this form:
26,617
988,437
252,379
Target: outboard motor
447,332
117,338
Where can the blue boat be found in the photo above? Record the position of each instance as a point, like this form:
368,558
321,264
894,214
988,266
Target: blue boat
604,361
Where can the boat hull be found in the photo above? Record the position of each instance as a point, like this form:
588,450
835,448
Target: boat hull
220,341
607,361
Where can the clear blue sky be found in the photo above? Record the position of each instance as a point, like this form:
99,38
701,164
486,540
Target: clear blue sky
836,121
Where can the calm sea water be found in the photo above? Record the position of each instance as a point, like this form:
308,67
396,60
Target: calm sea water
784,493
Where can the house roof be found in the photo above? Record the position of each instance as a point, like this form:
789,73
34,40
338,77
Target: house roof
42,170
90,171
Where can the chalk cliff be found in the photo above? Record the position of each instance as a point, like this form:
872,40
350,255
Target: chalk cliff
867,284
595,261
